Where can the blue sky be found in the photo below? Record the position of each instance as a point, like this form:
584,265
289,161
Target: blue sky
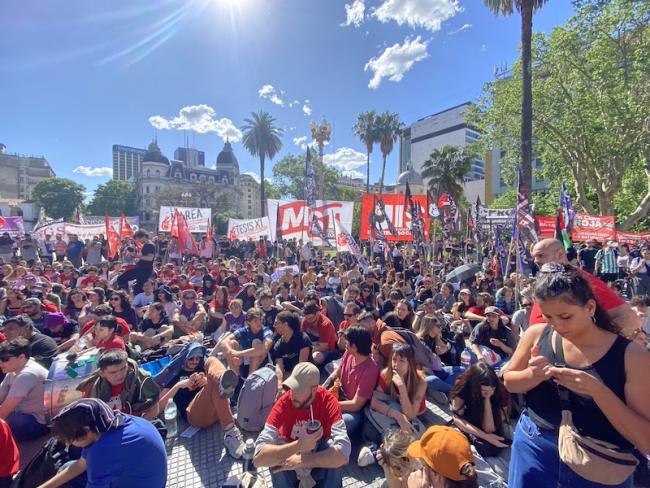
81,75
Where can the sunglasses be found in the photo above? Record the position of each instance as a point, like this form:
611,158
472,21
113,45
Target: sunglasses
527,305
188,298
115,299
348,315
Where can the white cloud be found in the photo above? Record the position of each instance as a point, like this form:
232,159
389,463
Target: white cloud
354,174
396,60
255,176
464,27
272,94
301,142
429,14
198,118
354,13
346,160
90,171
306,108
483,48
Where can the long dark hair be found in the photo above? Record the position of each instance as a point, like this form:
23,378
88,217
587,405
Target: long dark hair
559,282
468,388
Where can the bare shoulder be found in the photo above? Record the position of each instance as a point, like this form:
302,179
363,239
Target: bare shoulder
637,360
533,333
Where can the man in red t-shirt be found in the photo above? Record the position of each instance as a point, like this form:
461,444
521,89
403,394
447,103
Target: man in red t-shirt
288,448
10,458
322,333
620,312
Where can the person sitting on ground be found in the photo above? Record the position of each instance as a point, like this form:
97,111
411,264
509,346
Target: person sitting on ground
290,347
268,309
235,317
105,335
117,449
322,333
123,385
142,300
201,392
480,405
88,330
356,376
247,348
494,335
389,305
155,329
286,445
43,348
446,460
64,332
400,393
444,300
120,302
21,390
191,316
10,460
33,307
351,311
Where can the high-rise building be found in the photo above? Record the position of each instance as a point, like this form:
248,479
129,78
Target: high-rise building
250,205
19,174
127,162
193,157
435,131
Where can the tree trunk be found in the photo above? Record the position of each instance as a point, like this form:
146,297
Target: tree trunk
383,170
526,94
641,211
368,174
262,188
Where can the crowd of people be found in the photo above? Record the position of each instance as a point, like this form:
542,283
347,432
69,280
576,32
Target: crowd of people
335,361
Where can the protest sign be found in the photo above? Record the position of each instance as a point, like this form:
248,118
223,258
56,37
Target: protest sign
197,218
244,230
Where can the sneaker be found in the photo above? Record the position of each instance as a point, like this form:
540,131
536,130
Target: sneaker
234,443
366,457
228,384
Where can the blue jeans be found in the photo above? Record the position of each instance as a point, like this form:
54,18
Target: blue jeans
535,461
25,427
324,477
444,380
78,482
353,421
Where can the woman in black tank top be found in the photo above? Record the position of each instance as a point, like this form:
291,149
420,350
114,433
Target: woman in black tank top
604,373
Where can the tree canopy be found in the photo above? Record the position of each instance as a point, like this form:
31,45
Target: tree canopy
446,169
591,107
59,197
111,198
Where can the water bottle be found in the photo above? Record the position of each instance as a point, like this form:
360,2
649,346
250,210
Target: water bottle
249,451
170,419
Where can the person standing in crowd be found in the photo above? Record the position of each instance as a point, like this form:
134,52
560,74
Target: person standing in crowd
640,270
22,390
606,267
289,446
521,318
117,449
6,247
144,265
29,250
581,359
60,248
587,256
46,248
74,250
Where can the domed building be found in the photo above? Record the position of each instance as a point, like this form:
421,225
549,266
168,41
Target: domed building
413,178
161,180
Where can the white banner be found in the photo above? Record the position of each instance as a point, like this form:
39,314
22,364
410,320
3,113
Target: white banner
248,229
53,228
197,218
134,222
295,221
87,231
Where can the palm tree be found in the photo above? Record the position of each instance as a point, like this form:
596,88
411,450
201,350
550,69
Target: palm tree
389,128
526,8
446,169
262,139
366,130
321,134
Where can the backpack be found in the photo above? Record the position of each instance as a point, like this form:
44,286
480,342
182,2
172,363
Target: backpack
256,398
45,464
423,355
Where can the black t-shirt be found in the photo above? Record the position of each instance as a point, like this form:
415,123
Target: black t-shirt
148,248
184,396
289,352
65,333
43,349
148,324
588,257
482,334
269,316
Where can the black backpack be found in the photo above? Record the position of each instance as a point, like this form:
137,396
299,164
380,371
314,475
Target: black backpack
45,464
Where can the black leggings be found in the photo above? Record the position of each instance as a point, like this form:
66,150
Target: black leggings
139,274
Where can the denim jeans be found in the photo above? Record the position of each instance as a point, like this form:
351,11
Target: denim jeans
353,421
324,477
535,461
78,482
444,380
25,427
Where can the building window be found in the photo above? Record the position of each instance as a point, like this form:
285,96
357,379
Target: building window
146,189
193,177
177,175
157,173
157,188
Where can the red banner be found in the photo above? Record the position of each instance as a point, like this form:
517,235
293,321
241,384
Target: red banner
632,237
399,217
598,227
546,226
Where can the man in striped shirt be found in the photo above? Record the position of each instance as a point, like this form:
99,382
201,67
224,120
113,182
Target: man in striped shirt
606,263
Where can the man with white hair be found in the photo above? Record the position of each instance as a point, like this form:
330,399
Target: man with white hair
620,313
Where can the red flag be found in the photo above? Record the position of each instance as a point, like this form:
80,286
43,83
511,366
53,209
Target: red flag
180,230
113,239
209,235
125,227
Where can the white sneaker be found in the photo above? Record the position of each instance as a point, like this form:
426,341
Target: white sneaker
366,457
234,443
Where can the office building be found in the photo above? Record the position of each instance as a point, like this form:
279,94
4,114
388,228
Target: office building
193,157
127,162
19,174
250,204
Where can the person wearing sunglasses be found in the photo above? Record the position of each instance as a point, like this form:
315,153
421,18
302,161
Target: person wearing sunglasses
21,391
521,318
191,316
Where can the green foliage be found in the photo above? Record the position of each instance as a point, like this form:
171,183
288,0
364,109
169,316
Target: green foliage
545,203
111,198
591,108
289,179
59,197
446,169
365,129
388,128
